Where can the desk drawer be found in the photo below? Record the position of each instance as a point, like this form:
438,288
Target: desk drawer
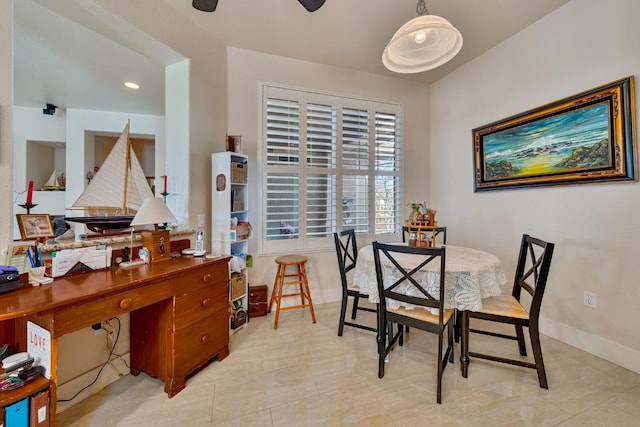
84,315
198,278
199,304
201,341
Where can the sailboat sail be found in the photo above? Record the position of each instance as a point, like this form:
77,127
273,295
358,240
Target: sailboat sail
119,188
107,188
52,182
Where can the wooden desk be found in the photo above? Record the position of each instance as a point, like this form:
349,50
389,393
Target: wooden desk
179,315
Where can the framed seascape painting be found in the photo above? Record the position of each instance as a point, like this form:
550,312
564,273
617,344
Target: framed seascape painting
588,137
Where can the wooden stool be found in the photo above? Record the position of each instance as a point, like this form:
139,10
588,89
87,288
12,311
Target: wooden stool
299,278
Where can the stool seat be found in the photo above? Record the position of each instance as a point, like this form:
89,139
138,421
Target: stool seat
291,259
283,279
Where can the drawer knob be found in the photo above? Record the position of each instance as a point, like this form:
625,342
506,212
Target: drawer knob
204,339
126,303
206,303
206,278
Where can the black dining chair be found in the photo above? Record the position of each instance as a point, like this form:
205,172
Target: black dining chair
347,252
440,232
429,299
531,276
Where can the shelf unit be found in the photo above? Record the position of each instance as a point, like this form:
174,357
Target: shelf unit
229,202
422,229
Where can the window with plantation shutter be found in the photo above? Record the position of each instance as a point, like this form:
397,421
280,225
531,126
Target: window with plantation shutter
330,163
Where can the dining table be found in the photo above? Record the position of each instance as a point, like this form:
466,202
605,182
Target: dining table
470,275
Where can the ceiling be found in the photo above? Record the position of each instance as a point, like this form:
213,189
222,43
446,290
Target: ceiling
59,60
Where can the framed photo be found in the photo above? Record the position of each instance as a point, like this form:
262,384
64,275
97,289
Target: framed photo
17,254
33,226
588,137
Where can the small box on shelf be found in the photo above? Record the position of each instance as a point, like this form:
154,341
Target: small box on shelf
234,143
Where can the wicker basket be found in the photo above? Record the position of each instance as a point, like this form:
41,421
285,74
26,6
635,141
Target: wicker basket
238,173
238,285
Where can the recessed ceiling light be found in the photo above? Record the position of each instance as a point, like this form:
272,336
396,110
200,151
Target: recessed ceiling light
132,85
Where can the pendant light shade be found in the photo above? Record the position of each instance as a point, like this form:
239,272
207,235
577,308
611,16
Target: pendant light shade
422,44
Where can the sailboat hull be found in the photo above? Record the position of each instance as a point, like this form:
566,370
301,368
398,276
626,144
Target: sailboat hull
100,224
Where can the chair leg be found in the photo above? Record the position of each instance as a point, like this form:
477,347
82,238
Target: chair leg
464,344
521,344
382,344
450,334
343,312
440,367
303,275
354,309
534,334
277,293
457,320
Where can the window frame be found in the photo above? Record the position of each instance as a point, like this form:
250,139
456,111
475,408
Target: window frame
341,101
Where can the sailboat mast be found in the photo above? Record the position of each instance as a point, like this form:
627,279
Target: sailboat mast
127,166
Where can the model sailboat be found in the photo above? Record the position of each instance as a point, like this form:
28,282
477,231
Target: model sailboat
117,190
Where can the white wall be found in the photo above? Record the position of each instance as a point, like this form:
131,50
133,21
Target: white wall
6,64
246,69
584,44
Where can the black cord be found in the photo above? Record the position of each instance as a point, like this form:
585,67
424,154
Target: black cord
101,368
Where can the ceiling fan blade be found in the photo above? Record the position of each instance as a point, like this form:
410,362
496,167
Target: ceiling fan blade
205,5
311,5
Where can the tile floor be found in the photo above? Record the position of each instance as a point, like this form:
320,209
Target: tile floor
304,374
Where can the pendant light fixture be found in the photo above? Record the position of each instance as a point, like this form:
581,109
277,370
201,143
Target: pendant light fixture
423,43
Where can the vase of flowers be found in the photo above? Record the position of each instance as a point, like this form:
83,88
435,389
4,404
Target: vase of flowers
415,214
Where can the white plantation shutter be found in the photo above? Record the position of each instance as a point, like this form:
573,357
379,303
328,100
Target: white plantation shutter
331,163
387,168
283,132
355,139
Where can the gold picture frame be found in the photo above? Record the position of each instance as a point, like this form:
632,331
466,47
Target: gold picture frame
34,226
586,138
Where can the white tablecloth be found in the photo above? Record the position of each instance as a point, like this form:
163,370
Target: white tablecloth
470,275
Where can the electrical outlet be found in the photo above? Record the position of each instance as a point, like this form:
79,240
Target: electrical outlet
307,267
201,220
590,299
97,328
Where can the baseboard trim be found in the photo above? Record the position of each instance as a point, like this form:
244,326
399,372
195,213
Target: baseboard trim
112,372
598,346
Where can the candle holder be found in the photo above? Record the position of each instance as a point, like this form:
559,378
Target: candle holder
28,207
165,225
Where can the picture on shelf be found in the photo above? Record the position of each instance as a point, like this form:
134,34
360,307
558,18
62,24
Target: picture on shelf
33,226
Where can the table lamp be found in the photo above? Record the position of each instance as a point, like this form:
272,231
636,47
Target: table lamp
153,212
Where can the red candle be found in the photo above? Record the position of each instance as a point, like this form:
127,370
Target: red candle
165,184
30,193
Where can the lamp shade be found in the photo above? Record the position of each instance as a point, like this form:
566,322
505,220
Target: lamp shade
153,211
422,44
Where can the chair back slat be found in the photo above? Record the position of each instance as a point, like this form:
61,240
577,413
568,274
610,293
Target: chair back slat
395,278
532,271
347,253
